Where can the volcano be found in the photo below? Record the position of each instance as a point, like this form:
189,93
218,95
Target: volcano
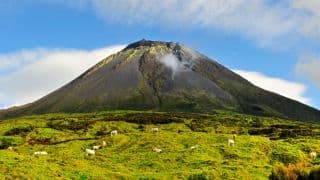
163,76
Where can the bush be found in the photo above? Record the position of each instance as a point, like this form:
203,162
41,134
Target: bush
296,171
261,131
197,126
102,131
150,118
20,130
287,133
198,177
141,127
284,172
6,141
72,124
41,136
286,154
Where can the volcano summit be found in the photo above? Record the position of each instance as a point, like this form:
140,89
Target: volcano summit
163,76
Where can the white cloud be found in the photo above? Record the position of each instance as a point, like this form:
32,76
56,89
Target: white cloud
13,60
283,87
264,21
255,18
308,67
40,71
309,17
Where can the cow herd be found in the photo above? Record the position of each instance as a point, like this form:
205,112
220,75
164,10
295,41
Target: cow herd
92,152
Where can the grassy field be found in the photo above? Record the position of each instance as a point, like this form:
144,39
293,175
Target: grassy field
262,146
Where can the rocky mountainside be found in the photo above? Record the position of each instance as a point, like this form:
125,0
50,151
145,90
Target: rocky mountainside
163,76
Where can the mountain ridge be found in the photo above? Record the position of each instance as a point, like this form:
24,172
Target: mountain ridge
163,76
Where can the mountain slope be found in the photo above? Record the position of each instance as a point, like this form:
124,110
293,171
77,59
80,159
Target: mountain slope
165,76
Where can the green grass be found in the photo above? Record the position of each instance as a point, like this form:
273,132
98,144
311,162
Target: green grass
129,155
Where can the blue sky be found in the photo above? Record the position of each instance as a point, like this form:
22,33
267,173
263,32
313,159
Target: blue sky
44,44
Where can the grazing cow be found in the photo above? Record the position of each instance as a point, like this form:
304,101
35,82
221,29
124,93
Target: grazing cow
154,130
90,152
114,132
10,148
96,147
104,144
313,155
157,150
38,153
230,142
194,147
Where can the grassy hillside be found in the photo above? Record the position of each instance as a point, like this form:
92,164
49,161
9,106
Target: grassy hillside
263,146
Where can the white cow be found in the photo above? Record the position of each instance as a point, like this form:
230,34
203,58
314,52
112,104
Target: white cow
313,155
154,130
38,153
230,142
157,150
10,148
90,152
104,144
96,147
114,132
194,147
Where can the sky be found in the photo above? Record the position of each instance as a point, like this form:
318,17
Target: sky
44,44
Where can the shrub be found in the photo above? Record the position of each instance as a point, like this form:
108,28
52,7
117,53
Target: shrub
296,171
286,154
141,127
6,141
102,131
197,126
257,123
284,172
198,177
261,131
285,157
81,175
41,136
151,118
287,133
20,130
72,124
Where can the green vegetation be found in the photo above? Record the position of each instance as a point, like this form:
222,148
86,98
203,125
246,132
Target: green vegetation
264,147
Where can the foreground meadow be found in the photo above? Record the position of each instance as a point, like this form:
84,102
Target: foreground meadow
194,146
